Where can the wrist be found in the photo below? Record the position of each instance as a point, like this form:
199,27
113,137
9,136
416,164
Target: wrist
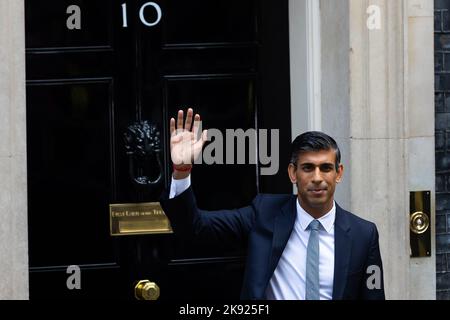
182,167
181,171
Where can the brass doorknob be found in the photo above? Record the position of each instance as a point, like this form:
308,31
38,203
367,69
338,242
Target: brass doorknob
146,290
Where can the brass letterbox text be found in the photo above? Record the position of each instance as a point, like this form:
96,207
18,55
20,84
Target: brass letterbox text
138,218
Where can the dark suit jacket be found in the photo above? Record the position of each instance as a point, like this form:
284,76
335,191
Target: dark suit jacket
265,226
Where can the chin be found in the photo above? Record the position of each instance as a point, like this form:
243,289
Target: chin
317,203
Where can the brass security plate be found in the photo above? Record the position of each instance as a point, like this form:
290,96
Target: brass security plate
420,223
138,218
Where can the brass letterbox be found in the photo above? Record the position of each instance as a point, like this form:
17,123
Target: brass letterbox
138,218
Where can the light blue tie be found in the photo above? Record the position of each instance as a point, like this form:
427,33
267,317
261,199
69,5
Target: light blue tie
312,262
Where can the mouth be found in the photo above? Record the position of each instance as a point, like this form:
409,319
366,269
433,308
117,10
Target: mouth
318,191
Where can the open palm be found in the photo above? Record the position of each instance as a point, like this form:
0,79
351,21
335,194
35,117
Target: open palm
185,145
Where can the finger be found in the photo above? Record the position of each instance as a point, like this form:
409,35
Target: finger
205,136
172,126
187,125
180,120
196,127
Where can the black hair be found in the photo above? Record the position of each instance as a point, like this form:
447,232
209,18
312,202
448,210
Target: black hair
314,141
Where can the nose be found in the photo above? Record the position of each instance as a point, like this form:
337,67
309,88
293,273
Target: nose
317,177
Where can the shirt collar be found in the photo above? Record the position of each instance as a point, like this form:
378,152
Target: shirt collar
327,220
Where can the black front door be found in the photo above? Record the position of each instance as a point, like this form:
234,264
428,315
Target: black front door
96,67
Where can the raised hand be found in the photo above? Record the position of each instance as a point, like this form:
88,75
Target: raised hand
185,145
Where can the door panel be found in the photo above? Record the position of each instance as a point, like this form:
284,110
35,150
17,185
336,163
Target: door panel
46,25
69,171
226,59
208,22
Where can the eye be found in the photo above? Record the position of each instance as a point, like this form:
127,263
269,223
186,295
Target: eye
326,168
307,168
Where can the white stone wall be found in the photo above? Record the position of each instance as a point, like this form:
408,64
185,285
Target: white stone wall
420,106
378,99
13,175
379,185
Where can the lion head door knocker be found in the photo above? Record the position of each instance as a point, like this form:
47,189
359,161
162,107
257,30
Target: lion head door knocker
143,147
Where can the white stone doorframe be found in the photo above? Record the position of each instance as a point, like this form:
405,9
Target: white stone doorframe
305,71
373,90
305,55
13,167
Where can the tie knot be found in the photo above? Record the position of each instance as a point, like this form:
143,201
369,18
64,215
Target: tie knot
314,225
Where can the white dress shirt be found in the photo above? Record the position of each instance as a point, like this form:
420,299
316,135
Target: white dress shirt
179,186
288,280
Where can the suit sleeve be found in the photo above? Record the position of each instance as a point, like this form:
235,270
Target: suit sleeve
373,280
224,228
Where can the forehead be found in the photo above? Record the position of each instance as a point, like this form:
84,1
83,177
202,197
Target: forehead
317,157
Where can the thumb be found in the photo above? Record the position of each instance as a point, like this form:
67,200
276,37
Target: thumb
199,144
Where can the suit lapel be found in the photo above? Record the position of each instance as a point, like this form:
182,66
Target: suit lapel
284,223
342,252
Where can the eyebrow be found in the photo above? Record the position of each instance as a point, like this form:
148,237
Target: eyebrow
312,164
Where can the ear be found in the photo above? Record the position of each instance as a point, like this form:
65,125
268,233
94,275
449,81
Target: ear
340,173
291,171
